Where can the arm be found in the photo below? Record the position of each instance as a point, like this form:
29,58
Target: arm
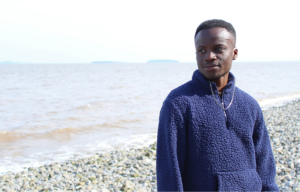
171,149
265,164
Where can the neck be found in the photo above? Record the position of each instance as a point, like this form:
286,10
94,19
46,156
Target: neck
221,82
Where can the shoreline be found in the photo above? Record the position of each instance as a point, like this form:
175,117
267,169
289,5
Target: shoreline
267,103
73,145
134,169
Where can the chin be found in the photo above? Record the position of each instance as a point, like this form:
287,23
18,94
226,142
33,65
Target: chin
212,77
209,76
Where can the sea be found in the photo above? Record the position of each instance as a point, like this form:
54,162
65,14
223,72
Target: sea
55,112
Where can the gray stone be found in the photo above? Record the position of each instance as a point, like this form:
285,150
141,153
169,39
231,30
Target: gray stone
286,189
287,177
289,183
291,165
296,185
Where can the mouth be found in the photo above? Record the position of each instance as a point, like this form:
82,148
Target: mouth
211,67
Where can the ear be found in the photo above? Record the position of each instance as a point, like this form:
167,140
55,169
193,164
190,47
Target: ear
235,53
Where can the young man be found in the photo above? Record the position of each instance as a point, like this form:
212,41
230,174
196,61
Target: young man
211,134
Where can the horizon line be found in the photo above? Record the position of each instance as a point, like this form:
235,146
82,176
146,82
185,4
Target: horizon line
119,62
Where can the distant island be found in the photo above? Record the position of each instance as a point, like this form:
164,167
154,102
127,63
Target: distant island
163,61
106,62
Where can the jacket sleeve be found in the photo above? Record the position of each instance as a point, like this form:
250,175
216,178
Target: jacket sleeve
265,164
171,149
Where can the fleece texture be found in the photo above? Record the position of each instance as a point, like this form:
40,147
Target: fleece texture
201,149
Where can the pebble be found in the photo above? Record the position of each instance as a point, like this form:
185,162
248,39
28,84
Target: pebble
134,170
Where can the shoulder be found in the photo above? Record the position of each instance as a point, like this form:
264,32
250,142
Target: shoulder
246,101
180,95
245,97
178,101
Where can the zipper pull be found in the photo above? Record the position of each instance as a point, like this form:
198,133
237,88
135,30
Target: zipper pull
225,114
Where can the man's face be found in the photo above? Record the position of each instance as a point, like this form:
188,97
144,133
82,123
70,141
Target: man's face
215,50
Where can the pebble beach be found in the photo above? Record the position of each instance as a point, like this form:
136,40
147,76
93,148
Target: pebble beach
134,169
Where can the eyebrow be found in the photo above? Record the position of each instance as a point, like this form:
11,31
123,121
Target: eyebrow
214,45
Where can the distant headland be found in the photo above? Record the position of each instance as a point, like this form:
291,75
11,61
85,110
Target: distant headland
163,61
95,62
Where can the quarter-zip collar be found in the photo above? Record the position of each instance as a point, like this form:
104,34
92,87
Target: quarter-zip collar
227,93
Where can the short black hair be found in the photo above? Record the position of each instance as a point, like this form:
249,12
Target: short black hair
215,23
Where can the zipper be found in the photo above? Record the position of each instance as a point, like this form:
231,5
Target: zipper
223,107
224,111
222,103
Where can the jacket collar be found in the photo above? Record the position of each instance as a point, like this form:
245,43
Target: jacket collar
227,94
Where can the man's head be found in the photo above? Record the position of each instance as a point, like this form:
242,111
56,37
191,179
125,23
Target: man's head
215,48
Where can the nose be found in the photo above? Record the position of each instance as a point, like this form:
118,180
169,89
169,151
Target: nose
210,56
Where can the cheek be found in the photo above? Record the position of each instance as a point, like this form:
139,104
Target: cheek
199,58
227,57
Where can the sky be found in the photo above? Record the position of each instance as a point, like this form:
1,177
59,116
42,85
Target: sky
82,31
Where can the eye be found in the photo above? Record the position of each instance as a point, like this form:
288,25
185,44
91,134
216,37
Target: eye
201,51
219,49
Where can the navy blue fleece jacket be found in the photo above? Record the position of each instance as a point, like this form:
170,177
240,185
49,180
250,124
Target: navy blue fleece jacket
201,148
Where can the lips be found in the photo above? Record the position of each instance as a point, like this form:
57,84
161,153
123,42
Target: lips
211,67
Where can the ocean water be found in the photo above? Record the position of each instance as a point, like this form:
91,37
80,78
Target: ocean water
50,113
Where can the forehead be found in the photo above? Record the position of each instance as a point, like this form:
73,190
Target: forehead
214,36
